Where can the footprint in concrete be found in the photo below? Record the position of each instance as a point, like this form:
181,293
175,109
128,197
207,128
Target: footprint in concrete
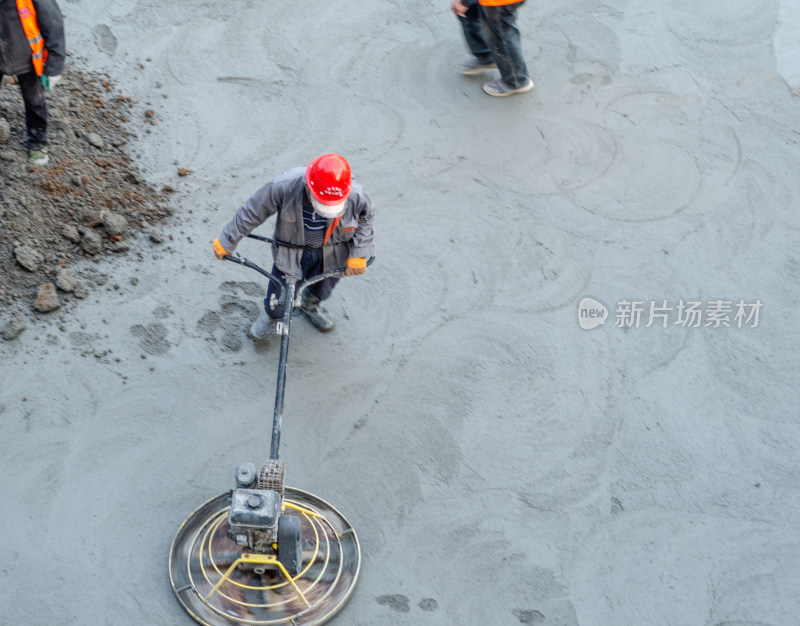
672,100
755,79
152,338
529,616
227,326
591,79
428,604
162,312
105,39
616,506
82,340
244,288
395,602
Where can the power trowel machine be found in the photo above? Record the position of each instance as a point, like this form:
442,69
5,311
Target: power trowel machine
265,553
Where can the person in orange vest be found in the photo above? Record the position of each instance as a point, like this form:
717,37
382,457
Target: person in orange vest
324,221
32,49
490,28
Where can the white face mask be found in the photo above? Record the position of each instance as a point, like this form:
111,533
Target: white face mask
329,211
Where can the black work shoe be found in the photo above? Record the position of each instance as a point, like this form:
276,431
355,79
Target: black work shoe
317,314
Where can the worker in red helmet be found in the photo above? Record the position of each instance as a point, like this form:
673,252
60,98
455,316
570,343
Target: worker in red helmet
321,208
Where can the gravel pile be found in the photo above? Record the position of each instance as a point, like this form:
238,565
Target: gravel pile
89,201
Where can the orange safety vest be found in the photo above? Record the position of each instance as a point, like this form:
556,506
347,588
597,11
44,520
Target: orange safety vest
27,15
497,3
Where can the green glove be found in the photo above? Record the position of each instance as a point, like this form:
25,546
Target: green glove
50,81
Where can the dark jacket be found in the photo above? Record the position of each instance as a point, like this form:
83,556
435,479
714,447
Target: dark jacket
353,235
15,52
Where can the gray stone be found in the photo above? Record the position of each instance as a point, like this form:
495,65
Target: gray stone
115,224
70,232
14,327
47,299
28,257
65,281
133,178
95,139
5,131
81,291
92,242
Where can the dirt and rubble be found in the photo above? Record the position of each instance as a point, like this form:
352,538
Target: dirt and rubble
90,201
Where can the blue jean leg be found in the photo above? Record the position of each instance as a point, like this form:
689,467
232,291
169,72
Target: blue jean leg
311,265
502,36
473,33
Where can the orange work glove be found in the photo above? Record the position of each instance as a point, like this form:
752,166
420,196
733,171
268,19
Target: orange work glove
219,250
355,265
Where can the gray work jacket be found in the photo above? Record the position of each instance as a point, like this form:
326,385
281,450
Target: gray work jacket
352,237
15,52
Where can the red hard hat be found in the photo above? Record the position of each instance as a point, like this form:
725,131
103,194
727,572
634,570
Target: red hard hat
328,179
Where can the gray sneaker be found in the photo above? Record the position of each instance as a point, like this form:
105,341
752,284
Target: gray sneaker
262,328
317,314
472,66
499,88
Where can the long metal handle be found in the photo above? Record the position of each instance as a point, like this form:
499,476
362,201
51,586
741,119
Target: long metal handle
320,277
275,241
277,417
286,244
242,261
290,296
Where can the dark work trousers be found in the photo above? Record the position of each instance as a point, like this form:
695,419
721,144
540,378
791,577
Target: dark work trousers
311,265
35,109
492,35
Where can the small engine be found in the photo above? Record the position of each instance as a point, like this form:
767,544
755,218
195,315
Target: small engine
256,506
